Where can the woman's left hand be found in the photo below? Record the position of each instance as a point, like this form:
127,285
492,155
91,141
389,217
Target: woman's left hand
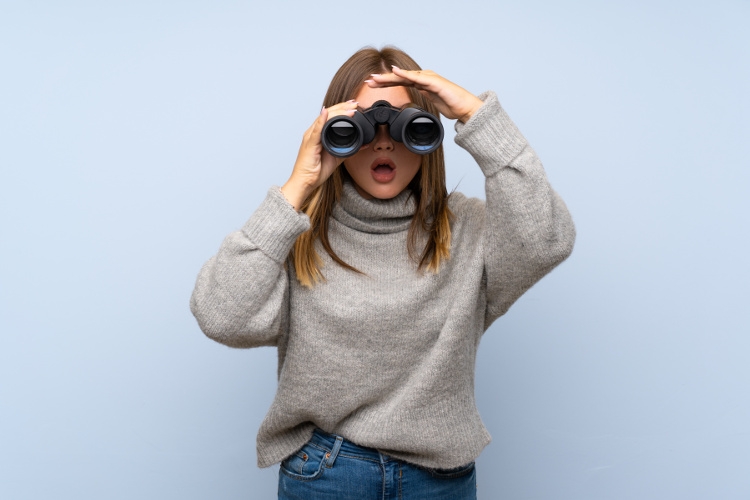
452,101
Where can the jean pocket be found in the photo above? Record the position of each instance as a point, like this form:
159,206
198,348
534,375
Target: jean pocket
452,473
304,465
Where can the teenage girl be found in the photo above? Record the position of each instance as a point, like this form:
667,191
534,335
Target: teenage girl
376,285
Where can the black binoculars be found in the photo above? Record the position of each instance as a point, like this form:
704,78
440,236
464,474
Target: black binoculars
420,131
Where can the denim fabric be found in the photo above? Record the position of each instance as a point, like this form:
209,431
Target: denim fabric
331,468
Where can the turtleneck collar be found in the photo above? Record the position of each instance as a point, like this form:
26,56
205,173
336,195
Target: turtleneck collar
374,216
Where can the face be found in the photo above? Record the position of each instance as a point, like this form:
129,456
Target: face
383,168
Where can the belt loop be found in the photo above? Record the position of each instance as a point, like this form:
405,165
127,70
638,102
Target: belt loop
331,457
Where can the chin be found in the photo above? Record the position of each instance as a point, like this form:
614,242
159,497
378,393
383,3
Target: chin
384,192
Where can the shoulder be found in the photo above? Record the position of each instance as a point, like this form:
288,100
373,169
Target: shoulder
459,203
467,211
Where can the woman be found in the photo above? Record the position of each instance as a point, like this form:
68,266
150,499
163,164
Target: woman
376,287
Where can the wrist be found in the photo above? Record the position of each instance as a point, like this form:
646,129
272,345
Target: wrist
473,109
295,192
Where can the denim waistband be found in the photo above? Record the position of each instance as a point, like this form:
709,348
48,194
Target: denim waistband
345,447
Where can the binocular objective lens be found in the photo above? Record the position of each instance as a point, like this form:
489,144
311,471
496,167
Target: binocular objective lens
422,133
341,134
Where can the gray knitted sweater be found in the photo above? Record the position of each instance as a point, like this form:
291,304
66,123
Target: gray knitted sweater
386,358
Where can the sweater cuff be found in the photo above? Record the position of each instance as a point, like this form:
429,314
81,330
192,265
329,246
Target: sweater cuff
275,225
490,136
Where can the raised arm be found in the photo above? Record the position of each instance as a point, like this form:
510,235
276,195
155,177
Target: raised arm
527,227
241,294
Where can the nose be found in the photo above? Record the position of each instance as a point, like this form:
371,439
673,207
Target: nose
383,140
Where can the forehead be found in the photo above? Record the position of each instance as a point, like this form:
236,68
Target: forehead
397,96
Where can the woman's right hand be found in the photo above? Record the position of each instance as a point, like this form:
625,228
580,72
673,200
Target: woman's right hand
314,165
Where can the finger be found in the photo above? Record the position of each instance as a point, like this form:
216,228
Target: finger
310,130
343,105
312,135
317,125
420,83
344,108
388,79
423,77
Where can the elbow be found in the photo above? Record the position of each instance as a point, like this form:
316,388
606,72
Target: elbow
558,239
214,330
208,321
237,336
562,246
558,243
550,251
225,328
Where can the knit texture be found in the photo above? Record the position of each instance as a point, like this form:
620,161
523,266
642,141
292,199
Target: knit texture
386,358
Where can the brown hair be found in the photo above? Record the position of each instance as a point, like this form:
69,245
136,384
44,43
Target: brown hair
432,216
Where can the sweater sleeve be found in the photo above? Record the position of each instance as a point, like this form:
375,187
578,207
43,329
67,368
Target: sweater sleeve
241,295
527,229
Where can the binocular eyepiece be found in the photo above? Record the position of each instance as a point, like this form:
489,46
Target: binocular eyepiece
420,131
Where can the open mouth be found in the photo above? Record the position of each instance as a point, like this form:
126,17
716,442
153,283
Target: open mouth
383,170
383,164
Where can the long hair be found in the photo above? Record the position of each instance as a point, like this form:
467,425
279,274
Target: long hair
432,216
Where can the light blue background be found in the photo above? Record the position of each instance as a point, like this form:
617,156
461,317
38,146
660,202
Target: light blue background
135,135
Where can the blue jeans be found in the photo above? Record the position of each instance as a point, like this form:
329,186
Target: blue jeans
331,468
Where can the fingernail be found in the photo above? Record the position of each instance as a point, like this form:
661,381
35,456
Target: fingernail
374,74
322,110
369,81
394,66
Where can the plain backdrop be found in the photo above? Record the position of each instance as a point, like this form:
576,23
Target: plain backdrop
135,135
